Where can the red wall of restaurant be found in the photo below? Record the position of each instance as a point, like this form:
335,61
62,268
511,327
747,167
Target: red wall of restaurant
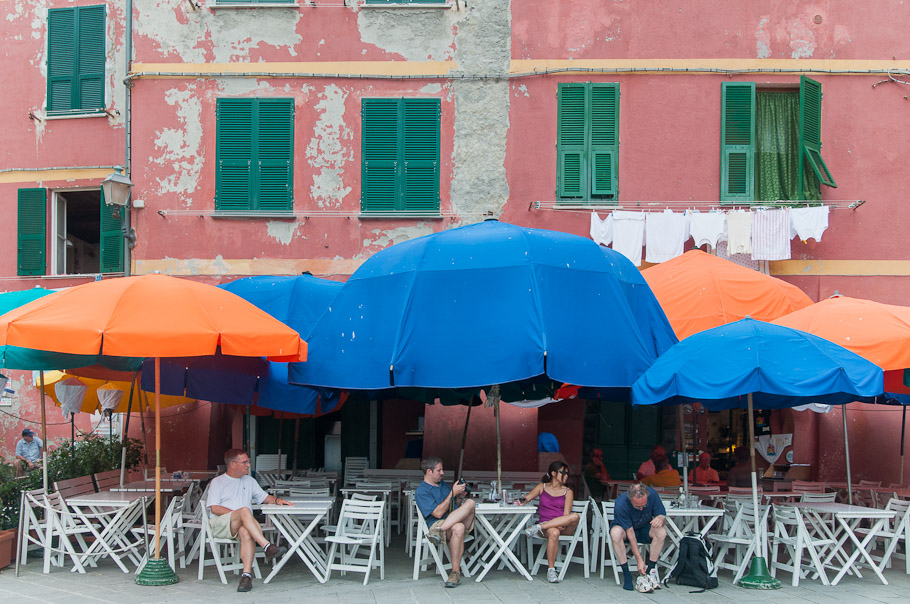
444,428
565,420
398,416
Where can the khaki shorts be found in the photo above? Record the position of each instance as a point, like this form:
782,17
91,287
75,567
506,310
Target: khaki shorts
221,527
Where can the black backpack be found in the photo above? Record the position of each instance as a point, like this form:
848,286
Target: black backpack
694,566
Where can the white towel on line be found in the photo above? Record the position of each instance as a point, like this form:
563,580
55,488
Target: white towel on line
629,234
666,233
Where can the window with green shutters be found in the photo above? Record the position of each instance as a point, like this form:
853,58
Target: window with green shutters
587,146
771,143
255,155
31,231
75,59
400,156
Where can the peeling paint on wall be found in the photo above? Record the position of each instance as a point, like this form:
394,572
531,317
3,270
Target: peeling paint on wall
282,231
383,238
330,149
395,31
763,39
181,148
802,40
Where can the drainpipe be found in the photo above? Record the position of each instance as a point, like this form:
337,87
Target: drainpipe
128,84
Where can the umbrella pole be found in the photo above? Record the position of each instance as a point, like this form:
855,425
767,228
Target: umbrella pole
498,441
157,571
126,430
73,443
145,436
758,577
44,436
847,455
296,441
903,429
464,439
682,442
278,463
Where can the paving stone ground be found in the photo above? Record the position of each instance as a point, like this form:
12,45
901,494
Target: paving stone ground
295,584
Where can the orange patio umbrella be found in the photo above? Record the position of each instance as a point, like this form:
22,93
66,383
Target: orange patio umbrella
699,291
150,316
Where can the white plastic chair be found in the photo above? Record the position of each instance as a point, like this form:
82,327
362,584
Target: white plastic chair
170,529
567,545
360,527
225,552
740,538
426,552
896,530
790,531
607,555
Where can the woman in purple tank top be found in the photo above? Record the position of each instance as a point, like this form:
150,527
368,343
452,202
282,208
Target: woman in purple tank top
555,512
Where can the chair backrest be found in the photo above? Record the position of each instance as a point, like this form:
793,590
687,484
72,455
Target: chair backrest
107,480
358,518
803,486
71,487
607,510
870,483
709,489
742,491
308,491
818,497
270,461
354,468
622,487
363,497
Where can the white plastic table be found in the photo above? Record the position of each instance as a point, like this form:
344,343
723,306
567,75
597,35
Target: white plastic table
679,521
167,486
848,518
297,523
500,526
110,516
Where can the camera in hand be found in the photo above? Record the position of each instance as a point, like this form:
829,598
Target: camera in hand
467,487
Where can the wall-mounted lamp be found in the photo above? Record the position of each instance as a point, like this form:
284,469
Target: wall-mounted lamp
116,189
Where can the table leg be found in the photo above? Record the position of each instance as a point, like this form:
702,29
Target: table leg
860,547
515,525
299,540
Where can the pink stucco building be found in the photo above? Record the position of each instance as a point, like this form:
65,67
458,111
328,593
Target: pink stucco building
281,137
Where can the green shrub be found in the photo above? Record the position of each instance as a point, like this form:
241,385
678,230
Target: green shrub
91,455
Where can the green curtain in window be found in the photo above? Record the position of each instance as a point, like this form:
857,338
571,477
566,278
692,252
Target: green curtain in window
777,147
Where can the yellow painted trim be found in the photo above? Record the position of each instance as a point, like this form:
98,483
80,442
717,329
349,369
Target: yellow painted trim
376,68
246,266
841,268
806,65
42,176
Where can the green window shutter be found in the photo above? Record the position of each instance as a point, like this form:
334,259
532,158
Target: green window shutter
379,155
571,172
276,155
32,221
61,58
111,239
90,58
737,141
810,132
234,154
604,120
420,139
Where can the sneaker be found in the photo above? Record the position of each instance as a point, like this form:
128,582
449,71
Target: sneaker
552,576
534,530
643,584
246,583
272,551
436,534
655,578
454,579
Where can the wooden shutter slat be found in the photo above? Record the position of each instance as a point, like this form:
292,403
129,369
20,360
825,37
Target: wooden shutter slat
379,155
604,146
32,229
275,155
61,58
420,141
90,57
737,141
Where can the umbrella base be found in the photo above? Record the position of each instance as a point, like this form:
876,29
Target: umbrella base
759,577
157,572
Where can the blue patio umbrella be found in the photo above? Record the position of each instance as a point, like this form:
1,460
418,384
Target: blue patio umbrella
490,303
752,364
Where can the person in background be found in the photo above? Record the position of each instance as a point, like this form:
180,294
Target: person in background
647,467
555,515
434,498
665,476
231,516
703,473
639,517
28,452
595,473
740,474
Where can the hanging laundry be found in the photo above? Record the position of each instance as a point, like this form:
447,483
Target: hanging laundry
771,234
740,259
808,223
707,227
602,230
629,234
666,233
739,232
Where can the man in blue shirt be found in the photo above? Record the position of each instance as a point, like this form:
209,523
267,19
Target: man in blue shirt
28,452
434,499
638,517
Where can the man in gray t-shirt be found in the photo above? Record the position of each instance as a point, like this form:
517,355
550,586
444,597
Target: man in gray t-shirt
231,517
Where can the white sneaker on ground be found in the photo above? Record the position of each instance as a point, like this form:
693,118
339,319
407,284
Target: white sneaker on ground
552,576
643,584
655,578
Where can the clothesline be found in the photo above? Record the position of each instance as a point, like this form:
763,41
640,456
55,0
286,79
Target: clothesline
702,206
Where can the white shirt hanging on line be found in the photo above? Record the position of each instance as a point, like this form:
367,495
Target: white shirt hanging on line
666,233
739,232
629,234
602,230
771,234
707,227
808,223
